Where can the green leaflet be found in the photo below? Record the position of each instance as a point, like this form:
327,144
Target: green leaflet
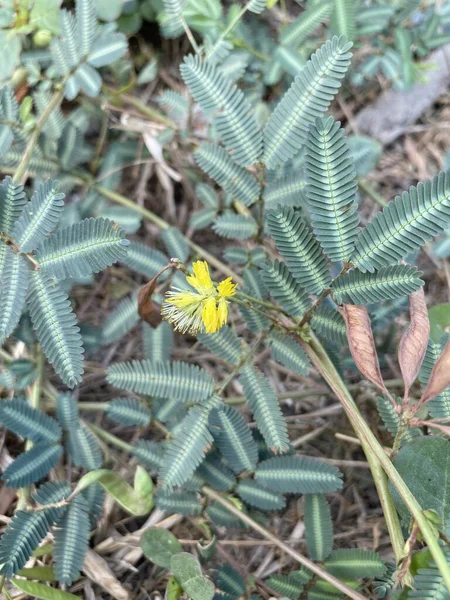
216,474
14,276
121,321
187,450
55,326
27,422
72,541
174,104
26,530
179,502
187,570
230,581
343,18
39,217
254,494
234,121
34,589
439,407
235,180
84,449
175,243
149,453
137,500
12,199
295,33
129,412
331,189
207,195
299,248
286,191
67,411
86,24
318,527
224,343
328,322
144,260
32,465
298,475
284,288
428,585
157,342
291,585
308,97
266,409
404,225
8,112
235,227
388,283
233,438
159,546
181,380
83,248
287,351
355,563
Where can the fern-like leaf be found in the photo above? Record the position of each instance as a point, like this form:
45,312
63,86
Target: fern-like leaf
224,343
438,407
386,284
158,342
287,351
284,288
84,448
144,260
289,586
175,243
121,321
355,563
308,97
12,203
216,474
67,411
230,582
235,227
179,502
266,409
187,450
148,453
298,475
28,422
299,248
405,224
55,326
286,191
32,465
331,189
71,541
27,529
255,495
318,527
234,121
428,585
296,32
235,180
343,18
163,380
39,217
328,323
233,438
14,276
83,248
86,24
129,412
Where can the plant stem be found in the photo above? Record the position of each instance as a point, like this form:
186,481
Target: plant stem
231,25
51,106
282,545
375,453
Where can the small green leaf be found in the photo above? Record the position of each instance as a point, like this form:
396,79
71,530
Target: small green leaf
40,573
173,589
159,545
42,591
188,572
137,501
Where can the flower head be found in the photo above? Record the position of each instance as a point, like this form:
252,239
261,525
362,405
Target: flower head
206,309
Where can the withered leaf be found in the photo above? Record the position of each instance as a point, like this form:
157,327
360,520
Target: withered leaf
361,343
440,376
148,309
413,344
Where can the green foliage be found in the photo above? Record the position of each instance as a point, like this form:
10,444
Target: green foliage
32,465
84,449
299,248
144,260
27,422
289,353
216,473
234,121
439,407
284,288
428,585
157,342
328,323
149,453
388,283
67,411
159,546
318,527
255,495
188,572
179,502
404,225
233,438
121,320
175,243
81,249
264,405
290,586
355,563
12,202
224,343
129,412
297,475
185,382
296,32
308,97
15,274
71,541
286,191
235,227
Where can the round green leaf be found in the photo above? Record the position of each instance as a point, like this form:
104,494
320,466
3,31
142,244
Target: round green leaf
159,546
187,570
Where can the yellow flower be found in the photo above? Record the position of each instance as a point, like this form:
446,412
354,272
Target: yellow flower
206,309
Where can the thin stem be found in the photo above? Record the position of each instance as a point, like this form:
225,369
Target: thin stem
109,437
373,449
231,25
189,35
340,585
51,106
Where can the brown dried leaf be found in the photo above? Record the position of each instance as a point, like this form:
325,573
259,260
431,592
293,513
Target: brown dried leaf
413,344
440,376
361,343
148,309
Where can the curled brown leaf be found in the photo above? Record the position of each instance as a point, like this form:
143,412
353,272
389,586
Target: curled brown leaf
440,377
362,344
148,309
413,344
